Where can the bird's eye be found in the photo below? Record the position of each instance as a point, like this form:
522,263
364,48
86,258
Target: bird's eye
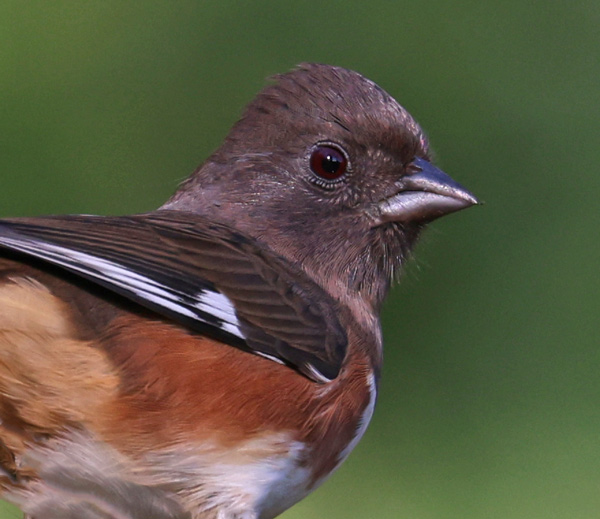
328,162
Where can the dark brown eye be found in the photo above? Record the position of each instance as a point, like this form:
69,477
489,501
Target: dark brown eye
328,163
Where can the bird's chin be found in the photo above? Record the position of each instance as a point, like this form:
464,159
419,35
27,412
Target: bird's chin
390,246
397,242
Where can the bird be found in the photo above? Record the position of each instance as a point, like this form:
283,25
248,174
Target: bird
218,357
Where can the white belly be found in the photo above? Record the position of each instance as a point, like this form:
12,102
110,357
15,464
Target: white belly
259,479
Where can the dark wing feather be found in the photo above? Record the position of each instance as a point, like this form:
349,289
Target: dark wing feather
204,275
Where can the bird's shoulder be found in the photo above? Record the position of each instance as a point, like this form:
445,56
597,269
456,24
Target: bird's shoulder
204,275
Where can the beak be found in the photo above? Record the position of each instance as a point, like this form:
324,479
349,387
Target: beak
426,194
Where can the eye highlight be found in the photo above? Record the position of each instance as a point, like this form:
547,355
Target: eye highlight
328,162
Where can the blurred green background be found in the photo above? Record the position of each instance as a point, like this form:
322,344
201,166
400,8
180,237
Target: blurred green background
489,403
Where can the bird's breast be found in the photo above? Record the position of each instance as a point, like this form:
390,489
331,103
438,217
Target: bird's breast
232,426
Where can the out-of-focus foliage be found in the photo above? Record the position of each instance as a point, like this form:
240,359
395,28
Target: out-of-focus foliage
489,400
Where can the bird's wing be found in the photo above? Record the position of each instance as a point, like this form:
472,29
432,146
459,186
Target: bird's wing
202,274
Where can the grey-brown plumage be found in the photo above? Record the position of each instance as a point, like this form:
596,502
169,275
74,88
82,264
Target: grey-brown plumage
260,177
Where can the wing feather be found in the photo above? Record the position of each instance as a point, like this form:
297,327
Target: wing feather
202,274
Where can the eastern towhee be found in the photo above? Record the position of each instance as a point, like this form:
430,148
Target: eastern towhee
218,357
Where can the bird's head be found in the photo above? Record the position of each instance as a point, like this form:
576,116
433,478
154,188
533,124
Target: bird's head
332,173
